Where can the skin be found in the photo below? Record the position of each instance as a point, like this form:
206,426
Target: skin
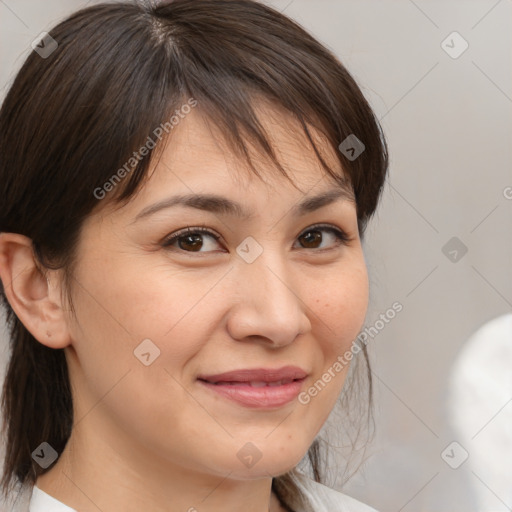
145,437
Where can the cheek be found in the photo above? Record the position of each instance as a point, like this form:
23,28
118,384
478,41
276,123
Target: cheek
121,305
137,300
341,305
117,308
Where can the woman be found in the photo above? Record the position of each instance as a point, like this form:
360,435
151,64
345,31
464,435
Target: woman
185,188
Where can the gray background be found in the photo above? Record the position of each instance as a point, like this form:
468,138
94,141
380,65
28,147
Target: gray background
448,123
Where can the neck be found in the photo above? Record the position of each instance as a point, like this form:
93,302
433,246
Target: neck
104,475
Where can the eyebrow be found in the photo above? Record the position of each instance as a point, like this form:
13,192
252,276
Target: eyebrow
222,205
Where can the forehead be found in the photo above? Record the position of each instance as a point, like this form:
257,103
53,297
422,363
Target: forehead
198,148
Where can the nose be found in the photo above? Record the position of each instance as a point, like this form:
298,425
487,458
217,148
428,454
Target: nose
268,304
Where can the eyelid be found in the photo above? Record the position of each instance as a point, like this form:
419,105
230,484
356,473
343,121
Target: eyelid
336,229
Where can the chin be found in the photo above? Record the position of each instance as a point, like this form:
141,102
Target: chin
272,465
257,472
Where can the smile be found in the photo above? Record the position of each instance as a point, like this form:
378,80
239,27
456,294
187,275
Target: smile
257,394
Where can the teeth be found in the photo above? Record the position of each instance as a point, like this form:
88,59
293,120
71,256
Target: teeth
258,384
271,384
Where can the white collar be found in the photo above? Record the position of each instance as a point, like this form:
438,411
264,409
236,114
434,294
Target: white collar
43,502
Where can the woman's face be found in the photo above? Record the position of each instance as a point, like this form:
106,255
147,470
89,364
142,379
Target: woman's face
272,291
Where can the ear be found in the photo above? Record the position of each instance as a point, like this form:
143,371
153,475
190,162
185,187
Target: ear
35,298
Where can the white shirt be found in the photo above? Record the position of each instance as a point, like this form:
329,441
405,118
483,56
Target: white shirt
321,498
43,502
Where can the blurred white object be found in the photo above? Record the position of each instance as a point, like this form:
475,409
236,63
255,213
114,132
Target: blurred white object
480,412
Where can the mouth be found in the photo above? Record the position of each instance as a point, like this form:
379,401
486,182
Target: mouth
254,384
257,388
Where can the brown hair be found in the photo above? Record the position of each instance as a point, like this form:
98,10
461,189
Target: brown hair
70,120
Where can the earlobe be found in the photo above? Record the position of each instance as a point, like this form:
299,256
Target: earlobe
29,292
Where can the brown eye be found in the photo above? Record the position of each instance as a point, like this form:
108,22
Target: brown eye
313,238
190,240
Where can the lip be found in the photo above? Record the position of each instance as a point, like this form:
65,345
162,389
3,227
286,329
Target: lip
257,374
269,392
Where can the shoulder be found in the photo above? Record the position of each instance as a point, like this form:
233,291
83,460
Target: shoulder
323,498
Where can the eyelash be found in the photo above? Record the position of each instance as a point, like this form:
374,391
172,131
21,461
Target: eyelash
190,230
